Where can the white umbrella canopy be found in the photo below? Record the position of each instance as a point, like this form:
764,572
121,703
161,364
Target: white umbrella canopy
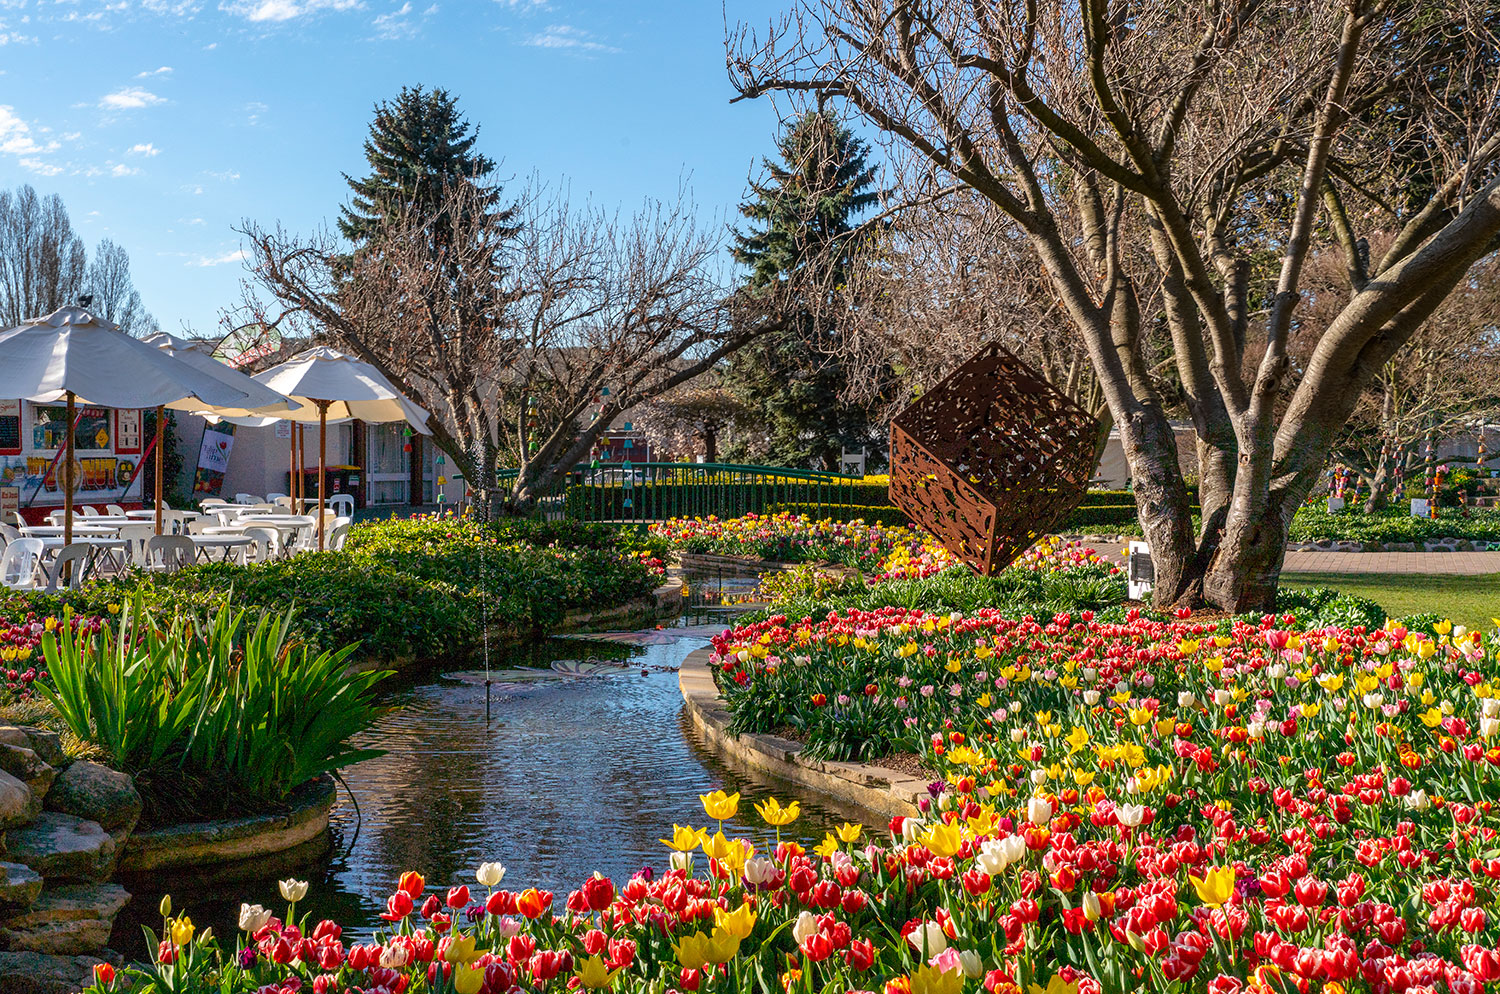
258,396
331,385
75,354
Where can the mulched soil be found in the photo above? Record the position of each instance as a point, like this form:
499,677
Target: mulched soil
908,763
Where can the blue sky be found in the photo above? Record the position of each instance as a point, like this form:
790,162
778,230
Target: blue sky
163,123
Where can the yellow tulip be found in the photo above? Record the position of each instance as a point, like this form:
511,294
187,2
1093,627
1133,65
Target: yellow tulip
685,839
1057,985
721,947
828,846
738,923
692,951
717,846
1140,716
849,832
719,805
182,931
1076,740
1216,887
930,980
1432,717
468,979
461,949
1443,627
954,665
591,973
943,839
774,814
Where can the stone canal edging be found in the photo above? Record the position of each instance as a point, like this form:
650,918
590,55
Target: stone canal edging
873,788
231,848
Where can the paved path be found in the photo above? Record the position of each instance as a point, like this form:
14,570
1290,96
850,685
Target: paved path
1444,563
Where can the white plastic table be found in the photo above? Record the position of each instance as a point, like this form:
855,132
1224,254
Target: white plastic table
79,530
149,514
224,543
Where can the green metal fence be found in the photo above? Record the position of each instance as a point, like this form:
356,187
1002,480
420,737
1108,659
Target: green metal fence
655,491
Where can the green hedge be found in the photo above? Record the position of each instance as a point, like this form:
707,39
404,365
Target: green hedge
593,502
1314,522
1101,518
413,588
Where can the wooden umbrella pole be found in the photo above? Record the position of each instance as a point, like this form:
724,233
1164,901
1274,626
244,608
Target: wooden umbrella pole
322,468
67,473
291,473
161,430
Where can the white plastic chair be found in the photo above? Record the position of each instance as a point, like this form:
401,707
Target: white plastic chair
135,538
89,511
172,523
196,526
282,503
68,568
338,535
342,504
8,534
114,510
267,541
248,499
211,502
19,562
278,498
12,518
169,553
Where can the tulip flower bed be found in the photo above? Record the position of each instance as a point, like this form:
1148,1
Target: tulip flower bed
791,538
1166,806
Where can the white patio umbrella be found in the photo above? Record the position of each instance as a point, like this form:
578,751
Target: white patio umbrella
329,384
199,355
73,354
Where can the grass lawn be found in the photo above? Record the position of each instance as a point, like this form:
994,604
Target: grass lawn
1467,600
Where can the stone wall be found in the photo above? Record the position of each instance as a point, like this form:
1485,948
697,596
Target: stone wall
64,824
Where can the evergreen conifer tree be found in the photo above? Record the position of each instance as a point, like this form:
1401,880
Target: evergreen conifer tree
418,143
802,215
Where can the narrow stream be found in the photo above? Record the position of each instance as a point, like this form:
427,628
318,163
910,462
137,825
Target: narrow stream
568,775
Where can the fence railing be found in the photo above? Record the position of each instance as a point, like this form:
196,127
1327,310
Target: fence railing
655,491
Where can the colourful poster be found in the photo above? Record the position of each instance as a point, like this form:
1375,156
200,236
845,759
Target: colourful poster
213,459
128,431
50,424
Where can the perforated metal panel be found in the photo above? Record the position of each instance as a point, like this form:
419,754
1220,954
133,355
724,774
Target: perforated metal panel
991,459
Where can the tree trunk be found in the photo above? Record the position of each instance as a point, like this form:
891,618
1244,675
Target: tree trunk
711,445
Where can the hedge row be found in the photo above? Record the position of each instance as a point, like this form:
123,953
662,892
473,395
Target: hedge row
594,502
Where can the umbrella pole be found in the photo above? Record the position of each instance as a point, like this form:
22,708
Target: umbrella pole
291,473
67,476
161,426
322,468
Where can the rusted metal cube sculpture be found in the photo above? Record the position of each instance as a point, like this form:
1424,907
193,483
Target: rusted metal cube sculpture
991,459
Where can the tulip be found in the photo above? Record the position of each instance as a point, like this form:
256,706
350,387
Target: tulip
468,979
182,931
490,874
928,939
737,923
806,925
1215,887
776,815
594,974
293,890
412,884
719,805
253,917
1038,811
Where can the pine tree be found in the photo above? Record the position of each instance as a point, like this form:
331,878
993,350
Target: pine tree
802,214
418,143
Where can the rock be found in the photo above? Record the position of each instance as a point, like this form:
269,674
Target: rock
64,848
19,884
96,793
17,804
45,744
25,765
66,920
35,973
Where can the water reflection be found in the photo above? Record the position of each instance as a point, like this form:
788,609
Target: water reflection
566,777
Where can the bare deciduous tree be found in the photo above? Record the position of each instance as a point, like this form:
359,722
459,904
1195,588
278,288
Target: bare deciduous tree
42,260
115,297
524,332
1232,139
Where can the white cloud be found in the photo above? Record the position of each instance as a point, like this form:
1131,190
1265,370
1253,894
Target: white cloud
39,167
253,110
120,169
274,11
130,98
172,8
16,138
565,36
147,149
399,23
227,176
147,74
238,255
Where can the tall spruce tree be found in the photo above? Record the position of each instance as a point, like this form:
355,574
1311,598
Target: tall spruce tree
802,214
418,143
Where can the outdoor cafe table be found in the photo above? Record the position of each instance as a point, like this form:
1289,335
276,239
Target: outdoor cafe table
225,543
98,545
148,514
79,530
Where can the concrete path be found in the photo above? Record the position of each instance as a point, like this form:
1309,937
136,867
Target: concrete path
1443,563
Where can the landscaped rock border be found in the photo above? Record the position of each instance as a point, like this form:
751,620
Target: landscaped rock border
223,849
873,788
709,562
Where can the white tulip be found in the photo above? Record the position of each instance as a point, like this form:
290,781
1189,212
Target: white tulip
1091,697
910,829
1222,697
1092,909
393,956
1373,701
253,917
678,860
1038,776
1489,726
1038,810
490,874
1185,699
293,890
1018,735
1015,847
927,938
1490,707
806,926
970,962
1130,815
1090,674
1256,729
1417,800
759,869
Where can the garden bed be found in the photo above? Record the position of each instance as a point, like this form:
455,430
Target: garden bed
878,789
206,853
